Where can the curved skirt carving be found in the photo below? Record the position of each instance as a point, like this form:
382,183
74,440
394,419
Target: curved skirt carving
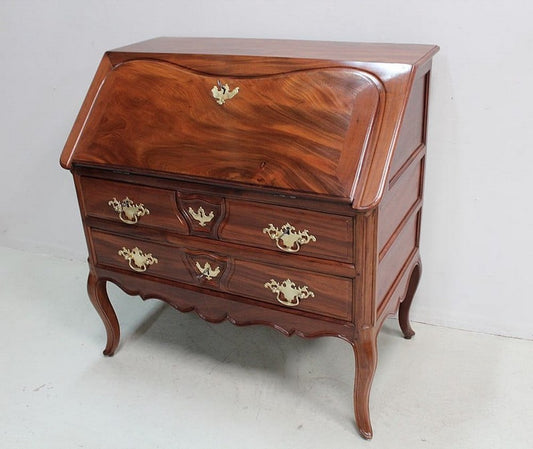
238,311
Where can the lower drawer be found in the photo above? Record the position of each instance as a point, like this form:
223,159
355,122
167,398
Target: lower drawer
285,287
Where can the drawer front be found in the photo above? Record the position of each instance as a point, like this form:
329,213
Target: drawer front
284,287
296,289
147,206
140,256
289,230
277,228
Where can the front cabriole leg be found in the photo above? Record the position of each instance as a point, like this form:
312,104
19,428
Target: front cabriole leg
97,293
366,357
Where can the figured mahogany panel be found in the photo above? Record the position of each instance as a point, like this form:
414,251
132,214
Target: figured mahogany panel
161,204
332,295
298,131
233,145
332,234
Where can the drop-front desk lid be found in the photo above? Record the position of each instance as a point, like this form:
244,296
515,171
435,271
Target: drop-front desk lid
316,119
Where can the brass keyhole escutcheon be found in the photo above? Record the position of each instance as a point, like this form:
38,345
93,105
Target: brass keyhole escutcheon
200,216
222,93
207,271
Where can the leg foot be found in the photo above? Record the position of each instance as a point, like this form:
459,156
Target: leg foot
405,305
100,300
366,357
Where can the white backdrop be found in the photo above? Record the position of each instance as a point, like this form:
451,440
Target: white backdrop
477,244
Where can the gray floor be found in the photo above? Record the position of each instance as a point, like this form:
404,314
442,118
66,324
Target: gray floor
179,382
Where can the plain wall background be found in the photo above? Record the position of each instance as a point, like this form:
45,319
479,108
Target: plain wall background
477,246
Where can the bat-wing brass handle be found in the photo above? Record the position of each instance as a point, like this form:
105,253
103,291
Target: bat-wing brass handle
137,260
288,293
128,212
287,238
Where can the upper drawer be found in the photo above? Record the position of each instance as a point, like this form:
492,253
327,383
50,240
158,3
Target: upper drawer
289,230
303,131
277,228
131,204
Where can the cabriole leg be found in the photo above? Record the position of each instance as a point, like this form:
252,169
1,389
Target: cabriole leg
366,358
97,293
405,305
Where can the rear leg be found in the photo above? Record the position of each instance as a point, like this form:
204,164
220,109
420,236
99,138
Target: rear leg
405,305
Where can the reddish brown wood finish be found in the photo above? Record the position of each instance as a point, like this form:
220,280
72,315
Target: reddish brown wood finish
405,305
164,214
329,137
98,296
333,232
154,111
240,277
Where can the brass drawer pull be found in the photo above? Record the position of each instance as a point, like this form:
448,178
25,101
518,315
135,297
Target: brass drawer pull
200,215
140,260
287,293
128,212
207,271
223,92
290,239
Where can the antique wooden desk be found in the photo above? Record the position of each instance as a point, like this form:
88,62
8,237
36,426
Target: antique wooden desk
258,181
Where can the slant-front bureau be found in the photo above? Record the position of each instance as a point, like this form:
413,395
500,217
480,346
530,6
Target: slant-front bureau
260,182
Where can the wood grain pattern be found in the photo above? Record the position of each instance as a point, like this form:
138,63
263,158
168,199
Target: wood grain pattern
395,65
332,295
240,222
314,264
171,262
241,313
329,137
165,119
164,214
264,49
246,221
